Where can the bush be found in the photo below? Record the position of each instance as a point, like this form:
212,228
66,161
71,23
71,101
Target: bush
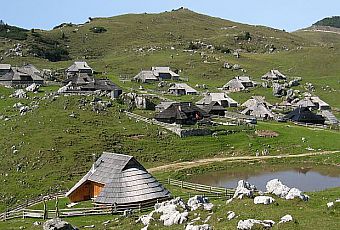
194,46
244,36
98,30
12,32
53,54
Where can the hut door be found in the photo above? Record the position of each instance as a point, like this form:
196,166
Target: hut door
87,192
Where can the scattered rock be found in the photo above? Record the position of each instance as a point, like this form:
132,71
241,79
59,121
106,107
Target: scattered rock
250,223
244,189
37,223
198,227
32,88
263,200
230,215
199,201
19,93
276,187
57,224
286,218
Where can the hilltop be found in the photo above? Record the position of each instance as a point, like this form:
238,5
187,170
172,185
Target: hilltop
102,37
330,21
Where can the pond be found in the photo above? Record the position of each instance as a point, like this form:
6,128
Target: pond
307,179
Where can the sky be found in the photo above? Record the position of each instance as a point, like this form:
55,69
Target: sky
281,14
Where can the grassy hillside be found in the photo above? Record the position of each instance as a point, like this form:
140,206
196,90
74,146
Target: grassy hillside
331,21
46,150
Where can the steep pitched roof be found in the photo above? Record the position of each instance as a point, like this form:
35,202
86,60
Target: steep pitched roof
218,97
306,102
125,180
303,114
258,110
183,86
146,75
17,73
234,84
158,70
273,75
213,106
179,111
256,100
78,66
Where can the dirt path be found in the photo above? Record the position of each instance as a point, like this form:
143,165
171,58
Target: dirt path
190,164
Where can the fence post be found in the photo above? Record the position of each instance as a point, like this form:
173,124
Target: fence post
210,189
181,184
168,180
23,214
140,207
226,193
115,207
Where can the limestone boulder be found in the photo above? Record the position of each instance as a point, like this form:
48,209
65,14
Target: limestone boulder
264,200
58,224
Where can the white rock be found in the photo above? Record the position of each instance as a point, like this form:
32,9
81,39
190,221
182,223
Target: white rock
230,215
199,201
244,188
294,192
145,219
32,88
330,204
19,93
249,224
276,187
286,218
198,227
263,200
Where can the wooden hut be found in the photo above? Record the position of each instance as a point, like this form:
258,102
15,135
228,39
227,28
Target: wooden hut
182,113
304,115
118,179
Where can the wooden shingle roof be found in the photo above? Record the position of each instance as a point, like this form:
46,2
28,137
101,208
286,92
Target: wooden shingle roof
125,180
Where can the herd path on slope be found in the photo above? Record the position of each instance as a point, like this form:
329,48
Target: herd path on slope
191,164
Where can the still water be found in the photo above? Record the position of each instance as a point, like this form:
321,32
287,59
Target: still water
306,179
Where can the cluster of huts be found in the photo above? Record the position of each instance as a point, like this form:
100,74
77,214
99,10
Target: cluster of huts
80,79
116,179
302,110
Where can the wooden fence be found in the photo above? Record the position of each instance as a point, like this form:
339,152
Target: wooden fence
209,191
74,212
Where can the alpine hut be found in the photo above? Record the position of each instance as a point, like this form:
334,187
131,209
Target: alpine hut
79,67
221,98
239,83
274,75
117,179
304,115
20,76
182,89
182,113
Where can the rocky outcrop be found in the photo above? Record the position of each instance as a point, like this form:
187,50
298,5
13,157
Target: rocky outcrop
197,202
58,224
276,187
244,188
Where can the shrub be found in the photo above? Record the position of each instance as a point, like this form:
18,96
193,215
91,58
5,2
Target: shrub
98,30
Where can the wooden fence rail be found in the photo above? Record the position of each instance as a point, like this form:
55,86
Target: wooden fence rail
212,191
